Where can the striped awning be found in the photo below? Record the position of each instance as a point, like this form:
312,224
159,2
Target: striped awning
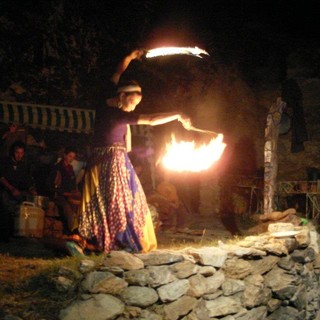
67,119
48,117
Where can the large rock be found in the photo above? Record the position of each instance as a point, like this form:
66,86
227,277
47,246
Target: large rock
299,300
173,291
254,296
198,285
214,282
97,307
304,256
286,263
139,296
276,247
287,313
209,256
123,260
282,284
237,268
280,226
263,265
175,310
160,275
303,238
223,306
255,314
157,258
185,269
138,277
86,265
232,286
103,282
235,250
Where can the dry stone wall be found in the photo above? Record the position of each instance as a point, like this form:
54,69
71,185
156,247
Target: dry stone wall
271,276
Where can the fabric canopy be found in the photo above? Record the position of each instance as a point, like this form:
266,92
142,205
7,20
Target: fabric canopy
67,119
48,117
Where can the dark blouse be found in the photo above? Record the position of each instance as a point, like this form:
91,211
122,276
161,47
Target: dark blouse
16,173
68,179
110,122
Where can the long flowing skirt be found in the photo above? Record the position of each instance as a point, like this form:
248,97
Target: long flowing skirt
114,210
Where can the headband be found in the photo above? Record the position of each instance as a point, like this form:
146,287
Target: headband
130,88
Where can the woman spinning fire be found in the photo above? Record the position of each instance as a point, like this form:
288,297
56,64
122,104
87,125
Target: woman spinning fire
114,210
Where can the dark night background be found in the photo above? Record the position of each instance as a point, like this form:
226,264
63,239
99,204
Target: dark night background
59,52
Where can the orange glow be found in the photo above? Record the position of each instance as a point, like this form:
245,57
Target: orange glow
166,51
185,156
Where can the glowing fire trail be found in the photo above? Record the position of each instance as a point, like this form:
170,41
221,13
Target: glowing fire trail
184,156
166,51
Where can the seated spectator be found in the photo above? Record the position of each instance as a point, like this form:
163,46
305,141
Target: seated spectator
165,199
16,183
61,184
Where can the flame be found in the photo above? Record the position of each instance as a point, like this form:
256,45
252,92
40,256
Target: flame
185,156
165,51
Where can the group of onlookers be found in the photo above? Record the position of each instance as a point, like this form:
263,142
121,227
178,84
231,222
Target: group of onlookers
59,184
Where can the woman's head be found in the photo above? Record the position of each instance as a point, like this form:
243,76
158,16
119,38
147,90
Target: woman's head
130,95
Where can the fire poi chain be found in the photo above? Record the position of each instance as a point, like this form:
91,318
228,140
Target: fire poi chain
166,51
184,155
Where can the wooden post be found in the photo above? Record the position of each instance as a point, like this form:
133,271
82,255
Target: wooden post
270,154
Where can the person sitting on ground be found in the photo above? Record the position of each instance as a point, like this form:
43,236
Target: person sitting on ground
16,183
62,189
167,202
61,185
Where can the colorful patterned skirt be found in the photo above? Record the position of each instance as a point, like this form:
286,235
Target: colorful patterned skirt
114,211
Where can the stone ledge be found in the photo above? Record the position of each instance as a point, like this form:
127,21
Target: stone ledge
259,277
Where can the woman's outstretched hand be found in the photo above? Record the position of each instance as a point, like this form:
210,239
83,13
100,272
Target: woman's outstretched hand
124,63
136,54
185,121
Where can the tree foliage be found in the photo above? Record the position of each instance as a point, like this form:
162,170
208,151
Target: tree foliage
55,51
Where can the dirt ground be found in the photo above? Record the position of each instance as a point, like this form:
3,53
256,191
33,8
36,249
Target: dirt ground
27,266
197,231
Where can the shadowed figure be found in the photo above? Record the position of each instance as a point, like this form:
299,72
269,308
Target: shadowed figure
228,216
292,95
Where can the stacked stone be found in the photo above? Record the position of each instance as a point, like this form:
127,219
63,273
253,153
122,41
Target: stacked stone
259,277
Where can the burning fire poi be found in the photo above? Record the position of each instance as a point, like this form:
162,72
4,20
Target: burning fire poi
166,51
185,156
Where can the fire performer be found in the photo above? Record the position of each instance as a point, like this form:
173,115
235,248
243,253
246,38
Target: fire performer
114,209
